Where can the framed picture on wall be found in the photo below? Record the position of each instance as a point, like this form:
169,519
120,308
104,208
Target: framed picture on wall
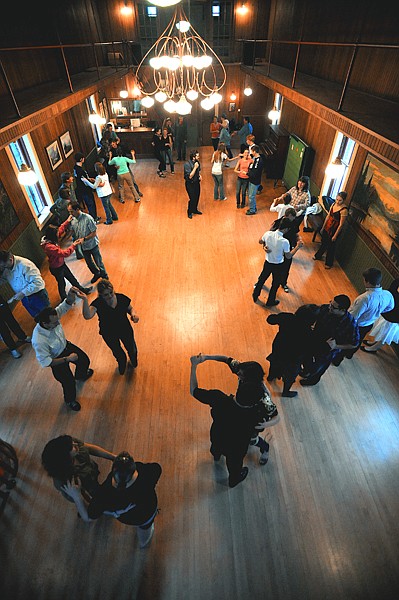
66,144
54,154
232,106
375,206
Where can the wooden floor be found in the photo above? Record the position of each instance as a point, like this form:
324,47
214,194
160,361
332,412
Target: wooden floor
319,521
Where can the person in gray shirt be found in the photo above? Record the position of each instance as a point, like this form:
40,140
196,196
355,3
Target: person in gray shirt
84,227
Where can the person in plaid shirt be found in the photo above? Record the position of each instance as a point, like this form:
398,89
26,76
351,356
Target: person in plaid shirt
335,330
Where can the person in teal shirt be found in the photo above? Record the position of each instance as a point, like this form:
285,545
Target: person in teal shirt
124,175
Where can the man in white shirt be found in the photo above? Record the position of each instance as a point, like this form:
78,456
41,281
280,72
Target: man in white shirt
54,350
367,307
26,281
277,248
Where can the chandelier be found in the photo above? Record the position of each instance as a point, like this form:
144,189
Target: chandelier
183,67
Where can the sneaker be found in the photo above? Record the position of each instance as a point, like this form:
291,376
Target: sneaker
251,212
108,223
140,194
272,302
74,405
89,373
243,474
87,290
286,289
145,536
223,198
95,278
289,394
121,201
97,219
264,457
15,353
197,212
137,200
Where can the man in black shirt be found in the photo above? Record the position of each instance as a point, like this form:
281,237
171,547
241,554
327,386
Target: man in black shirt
84,193
255,178
192,178
235,418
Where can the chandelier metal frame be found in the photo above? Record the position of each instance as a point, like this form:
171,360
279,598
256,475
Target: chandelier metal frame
181,62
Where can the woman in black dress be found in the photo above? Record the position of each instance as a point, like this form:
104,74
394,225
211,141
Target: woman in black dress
112,310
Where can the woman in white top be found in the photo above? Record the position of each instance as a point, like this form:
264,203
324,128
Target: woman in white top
104,192
218,159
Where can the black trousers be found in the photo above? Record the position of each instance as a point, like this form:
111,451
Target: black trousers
327,246
277,271
193,191
114,344
63,373
7,323
61,274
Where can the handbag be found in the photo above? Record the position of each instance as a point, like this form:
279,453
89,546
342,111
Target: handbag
269,415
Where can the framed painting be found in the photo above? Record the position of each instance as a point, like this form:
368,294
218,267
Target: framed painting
375,206
54,154
232,106
66,144
8,217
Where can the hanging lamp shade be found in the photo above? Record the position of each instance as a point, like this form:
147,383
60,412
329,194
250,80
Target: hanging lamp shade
26,175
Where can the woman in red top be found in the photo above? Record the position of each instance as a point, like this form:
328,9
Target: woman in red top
242,179
56,258
332,228
214,129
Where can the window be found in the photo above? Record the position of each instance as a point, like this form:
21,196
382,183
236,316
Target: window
222,28
215,10
97,129
147,25
38,195
344,148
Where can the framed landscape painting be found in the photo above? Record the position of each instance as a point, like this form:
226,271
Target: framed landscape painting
8,217
54,154
66,144
375,205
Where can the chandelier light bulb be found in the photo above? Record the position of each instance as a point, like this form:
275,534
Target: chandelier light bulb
192,94
171,62
123,93
183,107
164,3
216,98
207,103
248,91
147,102
170,106
160,96
187,60
183,26
156,62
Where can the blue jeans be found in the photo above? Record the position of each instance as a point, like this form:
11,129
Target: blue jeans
96,266
167,154
241,189
110,212
218,189
252,189
36,302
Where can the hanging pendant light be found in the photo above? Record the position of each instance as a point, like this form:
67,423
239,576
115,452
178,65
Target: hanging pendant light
335,169
27,176
96,119
248,91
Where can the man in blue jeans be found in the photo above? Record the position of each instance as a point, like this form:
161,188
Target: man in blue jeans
23,276
255,178
84,227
